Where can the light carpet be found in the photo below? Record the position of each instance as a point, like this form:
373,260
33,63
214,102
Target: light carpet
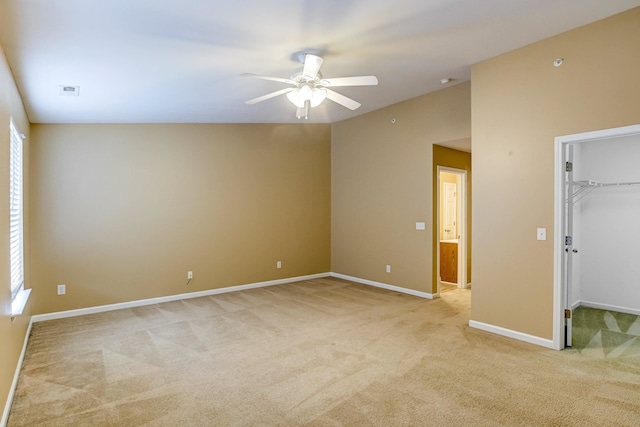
324,352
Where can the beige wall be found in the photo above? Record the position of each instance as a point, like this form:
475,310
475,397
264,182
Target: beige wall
12,334
520,103
382,184
122,212
444,156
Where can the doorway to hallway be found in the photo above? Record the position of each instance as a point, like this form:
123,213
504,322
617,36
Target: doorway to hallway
451,218
451,228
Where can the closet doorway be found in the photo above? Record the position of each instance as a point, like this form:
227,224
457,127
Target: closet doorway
451,227
597,203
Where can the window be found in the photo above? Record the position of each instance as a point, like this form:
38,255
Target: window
16,246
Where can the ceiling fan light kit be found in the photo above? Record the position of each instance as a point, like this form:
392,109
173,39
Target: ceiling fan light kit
299,96
310,89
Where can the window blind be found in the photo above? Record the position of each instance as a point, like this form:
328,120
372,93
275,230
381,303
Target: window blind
16,244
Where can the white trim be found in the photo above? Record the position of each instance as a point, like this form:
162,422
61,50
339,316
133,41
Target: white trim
559,302
169,298
20,302
608,307
558,244
512,334
384,286
599,134
16,376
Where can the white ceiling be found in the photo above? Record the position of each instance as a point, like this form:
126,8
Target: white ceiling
169,61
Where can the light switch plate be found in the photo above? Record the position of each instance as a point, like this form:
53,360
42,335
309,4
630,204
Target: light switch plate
420,226
542,234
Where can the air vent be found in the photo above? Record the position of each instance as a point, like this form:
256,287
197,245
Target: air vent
64,90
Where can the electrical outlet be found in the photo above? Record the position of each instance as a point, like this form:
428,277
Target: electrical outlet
388,268
278,264
62,289
189,275
420,226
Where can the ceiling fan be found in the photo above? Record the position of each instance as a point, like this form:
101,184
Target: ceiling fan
309,89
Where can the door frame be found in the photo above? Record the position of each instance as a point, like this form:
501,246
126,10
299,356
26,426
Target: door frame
461,206
559,223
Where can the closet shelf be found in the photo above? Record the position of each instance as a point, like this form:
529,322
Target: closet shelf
591,183
582,188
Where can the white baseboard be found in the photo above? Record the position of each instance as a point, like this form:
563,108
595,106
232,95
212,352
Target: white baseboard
16,375
512,334
608,307
169,298
384,286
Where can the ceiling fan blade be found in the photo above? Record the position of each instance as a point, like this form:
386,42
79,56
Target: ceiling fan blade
275,79
312,64
351,81
268,96
342,100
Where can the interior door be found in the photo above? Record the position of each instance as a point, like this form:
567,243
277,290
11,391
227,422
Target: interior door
450,212
568,243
